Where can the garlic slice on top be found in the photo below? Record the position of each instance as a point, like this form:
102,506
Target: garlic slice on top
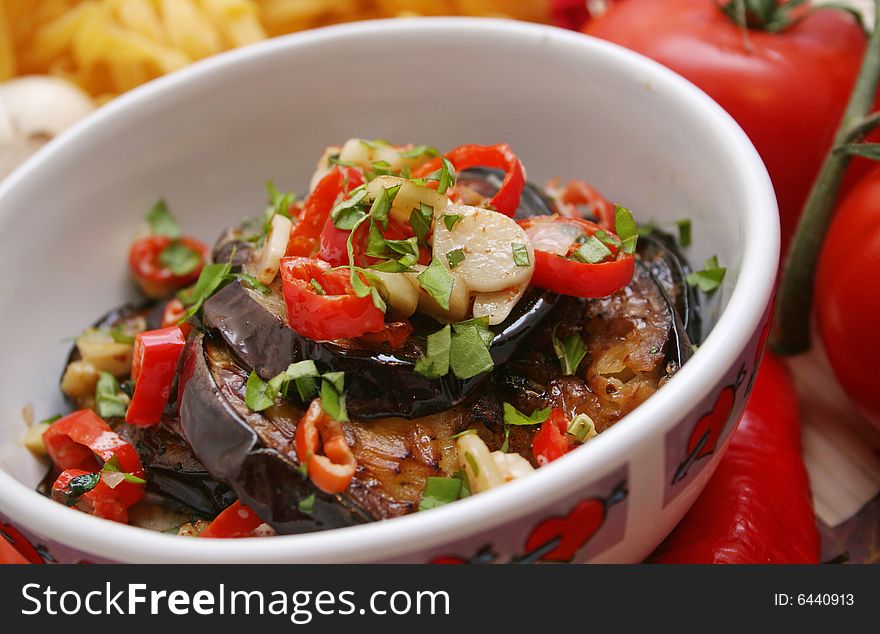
480,248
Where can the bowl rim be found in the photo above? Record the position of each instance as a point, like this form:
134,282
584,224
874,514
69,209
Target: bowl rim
734,329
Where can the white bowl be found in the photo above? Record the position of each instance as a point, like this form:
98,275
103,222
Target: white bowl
207,139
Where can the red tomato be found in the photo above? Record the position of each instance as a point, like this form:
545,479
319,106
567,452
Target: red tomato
100,501
154,279
337,313
787,90
848,293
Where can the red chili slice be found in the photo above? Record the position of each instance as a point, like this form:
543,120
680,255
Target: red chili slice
555,271
154,365
501,157
333,470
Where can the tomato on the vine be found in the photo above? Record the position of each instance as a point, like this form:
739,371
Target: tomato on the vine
848,294
787,89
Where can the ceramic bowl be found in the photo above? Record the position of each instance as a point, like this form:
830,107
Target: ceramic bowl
208,138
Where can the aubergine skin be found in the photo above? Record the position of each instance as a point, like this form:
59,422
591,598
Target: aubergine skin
379,382
224,436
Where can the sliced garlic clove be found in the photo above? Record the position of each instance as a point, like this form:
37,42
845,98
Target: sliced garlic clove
402,294
497,305
459,300
409,197
486,238
273,249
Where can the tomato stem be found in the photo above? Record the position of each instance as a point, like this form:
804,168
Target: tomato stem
795,301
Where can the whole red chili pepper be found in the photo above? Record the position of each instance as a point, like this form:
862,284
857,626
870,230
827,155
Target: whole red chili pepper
757,507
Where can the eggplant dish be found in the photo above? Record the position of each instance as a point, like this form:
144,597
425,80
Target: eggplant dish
418,328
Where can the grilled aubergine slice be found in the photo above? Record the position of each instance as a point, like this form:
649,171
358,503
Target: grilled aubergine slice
380,382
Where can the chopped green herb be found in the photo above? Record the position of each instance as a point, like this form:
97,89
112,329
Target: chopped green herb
251,281
645,229
210,279
607,238
382,205
179,258
445,176
420,220
50,420
357,277
482,326
684,232
258,395
439,491
513,416
162,222
307,505
420,150
709,279
465,485
332,396
436,362
626,229
302,374
108,397
120,334
80,485
582,428
317,286
592,251
450,220
475,467
455,257
334,159
378,168
505,446
468,353
112,466
349,213
466,432
391,266
570,352
520,254
437,282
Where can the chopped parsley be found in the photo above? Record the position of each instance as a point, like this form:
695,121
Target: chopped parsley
455,257
445,176
436,362
420,220
162,222
709,279
684,232
626,229
450,220
80,485
437,282
462,348
520,254
179,258
306,505
439,491
513,416
592,251
333,397
109,397
570,352
210,280
258,395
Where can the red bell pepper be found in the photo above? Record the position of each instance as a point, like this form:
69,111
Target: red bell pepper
74,441
305,237
321,303
757,506
333,470
88,492
558,272
236,520
154,365
501,157
82,441
551,442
